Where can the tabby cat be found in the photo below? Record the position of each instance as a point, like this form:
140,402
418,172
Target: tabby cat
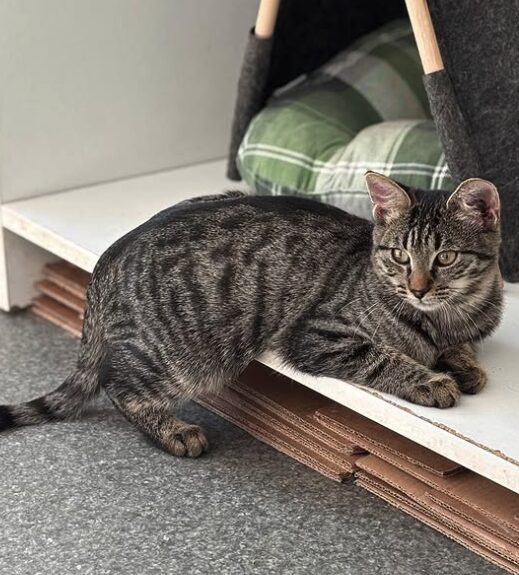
187,300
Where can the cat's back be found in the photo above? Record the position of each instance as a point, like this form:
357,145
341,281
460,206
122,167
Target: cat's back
245,219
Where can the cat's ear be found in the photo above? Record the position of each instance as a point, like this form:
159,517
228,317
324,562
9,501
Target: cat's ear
388,198
477,200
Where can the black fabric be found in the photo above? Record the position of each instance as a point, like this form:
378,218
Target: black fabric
307,34
479,42
251,94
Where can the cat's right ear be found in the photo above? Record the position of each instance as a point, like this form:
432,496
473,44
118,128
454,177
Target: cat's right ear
388,198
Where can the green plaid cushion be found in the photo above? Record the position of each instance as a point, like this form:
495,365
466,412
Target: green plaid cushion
364,110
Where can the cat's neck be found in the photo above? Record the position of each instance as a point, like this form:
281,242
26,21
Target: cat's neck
473,316
469,317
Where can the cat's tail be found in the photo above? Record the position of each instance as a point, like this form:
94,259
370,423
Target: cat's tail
71,398
68,401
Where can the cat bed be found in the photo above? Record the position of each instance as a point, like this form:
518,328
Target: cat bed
366,109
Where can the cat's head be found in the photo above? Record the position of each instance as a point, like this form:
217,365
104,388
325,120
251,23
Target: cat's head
434,247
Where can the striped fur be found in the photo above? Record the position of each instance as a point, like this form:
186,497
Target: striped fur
185,301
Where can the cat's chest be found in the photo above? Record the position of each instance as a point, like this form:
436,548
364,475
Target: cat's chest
416,340
413,341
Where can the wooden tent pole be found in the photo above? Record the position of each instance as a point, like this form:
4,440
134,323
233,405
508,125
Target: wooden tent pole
425,36
266,19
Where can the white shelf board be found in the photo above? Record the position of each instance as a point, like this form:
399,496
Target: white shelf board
78,225
481,432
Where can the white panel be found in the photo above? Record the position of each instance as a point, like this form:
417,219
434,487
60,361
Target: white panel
21,263
4,290
96,90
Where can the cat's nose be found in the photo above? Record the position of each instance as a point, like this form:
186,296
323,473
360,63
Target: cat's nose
420,282
419,293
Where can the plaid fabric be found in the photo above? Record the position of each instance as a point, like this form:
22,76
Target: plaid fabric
364,110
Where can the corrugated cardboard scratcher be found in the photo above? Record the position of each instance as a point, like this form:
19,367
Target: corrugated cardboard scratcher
337,442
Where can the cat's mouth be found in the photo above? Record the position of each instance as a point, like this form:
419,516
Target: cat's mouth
424,304
433,300
427,302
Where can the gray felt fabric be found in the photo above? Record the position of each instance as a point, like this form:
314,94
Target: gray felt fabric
94,498
251,94
479,42
458,144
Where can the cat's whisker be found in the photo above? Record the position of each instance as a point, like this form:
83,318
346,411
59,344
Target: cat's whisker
466,317
351,302
365,315
383,318
478,309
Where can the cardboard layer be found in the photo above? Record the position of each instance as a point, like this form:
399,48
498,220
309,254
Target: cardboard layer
61,295
421,494
451,506
312,441
58,314
288,444
273,394
497,503
379,440
425,492
424,515
69,277
482,536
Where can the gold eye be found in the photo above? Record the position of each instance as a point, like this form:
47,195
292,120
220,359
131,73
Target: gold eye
400,256
446,258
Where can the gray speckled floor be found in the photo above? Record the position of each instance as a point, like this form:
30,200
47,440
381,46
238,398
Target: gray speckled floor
93,497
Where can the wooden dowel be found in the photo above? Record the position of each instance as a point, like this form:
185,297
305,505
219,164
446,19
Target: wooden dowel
266,19
425,36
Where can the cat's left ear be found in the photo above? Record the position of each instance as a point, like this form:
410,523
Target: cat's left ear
477,200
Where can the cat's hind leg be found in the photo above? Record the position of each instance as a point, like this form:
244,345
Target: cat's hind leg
145,395
159,425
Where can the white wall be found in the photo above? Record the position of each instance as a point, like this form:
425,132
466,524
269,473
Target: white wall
94,90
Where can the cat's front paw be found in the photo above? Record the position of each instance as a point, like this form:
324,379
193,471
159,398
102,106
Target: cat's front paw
471,380
440,390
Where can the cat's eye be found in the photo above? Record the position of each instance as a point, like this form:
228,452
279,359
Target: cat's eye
446,258
400,256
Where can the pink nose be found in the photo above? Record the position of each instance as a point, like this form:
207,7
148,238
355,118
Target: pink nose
419,293
419,283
